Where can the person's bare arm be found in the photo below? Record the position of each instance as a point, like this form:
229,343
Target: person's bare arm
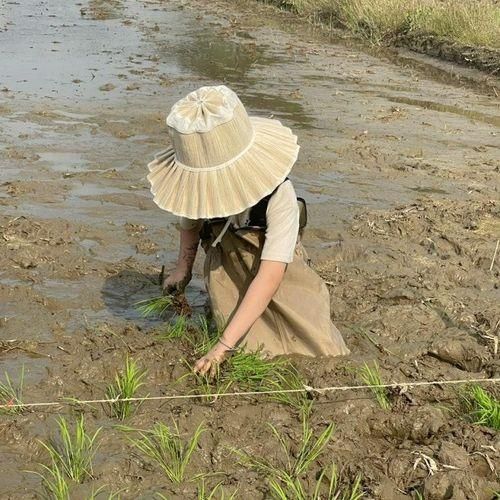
257,298
178,279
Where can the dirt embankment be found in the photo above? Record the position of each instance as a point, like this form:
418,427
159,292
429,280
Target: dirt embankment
378,24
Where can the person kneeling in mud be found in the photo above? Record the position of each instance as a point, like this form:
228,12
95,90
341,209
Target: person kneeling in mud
226,177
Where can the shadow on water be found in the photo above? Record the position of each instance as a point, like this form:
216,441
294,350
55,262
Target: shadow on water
121,292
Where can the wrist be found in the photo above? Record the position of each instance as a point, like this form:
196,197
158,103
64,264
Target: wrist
226,346
183,269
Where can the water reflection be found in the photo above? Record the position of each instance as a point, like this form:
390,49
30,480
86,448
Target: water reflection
102,9
220,59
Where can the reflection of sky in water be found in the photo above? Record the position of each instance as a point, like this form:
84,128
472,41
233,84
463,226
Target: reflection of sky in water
237,63
80,48
49,46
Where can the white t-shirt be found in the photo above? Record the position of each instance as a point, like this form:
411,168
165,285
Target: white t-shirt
282,224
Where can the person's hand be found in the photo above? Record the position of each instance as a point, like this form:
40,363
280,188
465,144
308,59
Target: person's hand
175,283
210,363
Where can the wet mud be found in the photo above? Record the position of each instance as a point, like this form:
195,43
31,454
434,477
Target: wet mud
400,168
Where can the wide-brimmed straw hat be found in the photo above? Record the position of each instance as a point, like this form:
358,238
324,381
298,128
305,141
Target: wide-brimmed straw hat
221,161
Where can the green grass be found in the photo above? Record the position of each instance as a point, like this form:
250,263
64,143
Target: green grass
72,451
287,473
168,449
482,407
371,377
125,386
473,22
156,307
11,393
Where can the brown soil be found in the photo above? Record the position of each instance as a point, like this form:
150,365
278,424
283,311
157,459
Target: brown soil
400,167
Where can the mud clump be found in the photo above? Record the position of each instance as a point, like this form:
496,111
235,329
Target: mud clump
460,349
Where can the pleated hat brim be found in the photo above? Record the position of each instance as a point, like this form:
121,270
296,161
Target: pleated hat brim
208,194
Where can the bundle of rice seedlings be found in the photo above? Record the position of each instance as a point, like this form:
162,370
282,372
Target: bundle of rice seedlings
215,493
72,453
156,307
168,449
11,393
250,370
125,386
54,482
294,488
176,330
371,377
204,337
293,465
482,407
288,378
287,476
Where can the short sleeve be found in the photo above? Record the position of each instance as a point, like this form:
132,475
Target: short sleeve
189,224
282,225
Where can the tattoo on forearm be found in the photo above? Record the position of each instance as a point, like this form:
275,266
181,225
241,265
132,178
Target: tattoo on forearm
189,253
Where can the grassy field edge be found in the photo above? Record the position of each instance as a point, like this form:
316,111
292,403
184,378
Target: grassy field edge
463,33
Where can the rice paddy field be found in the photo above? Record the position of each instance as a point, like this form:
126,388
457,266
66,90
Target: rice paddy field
400,169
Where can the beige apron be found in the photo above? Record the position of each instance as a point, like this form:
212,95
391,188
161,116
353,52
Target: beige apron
297,320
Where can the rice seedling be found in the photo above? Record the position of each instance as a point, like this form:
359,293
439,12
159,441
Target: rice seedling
293,465
482,407
371,377
288,378
11,393
156,307
204,337
176,330
204,494
211,387
286,488
54,482
98,494
125,386
168,449
250,370
72,453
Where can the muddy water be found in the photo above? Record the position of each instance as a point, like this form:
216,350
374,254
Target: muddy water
392,155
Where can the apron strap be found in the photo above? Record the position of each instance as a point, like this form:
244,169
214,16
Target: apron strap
222,233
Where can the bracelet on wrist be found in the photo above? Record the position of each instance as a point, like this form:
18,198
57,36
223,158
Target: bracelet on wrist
226,346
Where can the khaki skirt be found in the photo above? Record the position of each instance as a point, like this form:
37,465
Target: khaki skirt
297,320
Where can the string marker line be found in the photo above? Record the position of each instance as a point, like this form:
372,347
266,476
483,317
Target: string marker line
306,388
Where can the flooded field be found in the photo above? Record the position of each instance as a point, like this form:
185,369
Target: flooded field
400,167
